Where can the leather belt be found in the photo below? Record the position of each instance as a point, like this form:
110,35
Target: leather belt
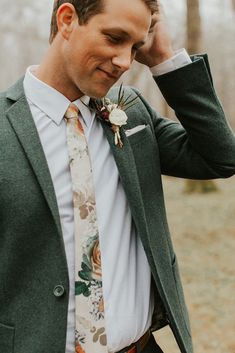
139,345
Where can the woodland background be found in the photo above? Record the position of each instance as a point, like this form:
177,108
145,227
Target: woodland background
201,216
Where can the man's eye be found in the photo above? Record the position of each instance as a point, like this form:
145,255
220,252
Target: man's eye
114,39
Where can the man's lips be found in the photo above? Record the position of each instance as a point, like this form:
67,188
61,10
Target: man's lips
110,75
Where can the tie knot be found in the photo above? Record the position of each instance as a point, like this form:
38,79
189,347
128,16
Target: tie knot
72,111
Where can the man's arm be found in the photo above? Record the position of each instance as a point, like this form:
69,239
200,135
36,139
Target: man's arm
204,145
205,132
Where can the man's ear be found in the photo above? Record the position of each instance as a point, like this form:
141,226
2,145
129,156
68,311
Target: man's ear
66,19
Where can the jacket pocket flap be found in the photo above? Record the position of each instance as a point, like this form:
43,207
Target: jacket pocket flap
7,334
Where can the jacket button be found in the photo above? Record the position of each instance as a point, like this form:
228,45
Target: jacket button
58,291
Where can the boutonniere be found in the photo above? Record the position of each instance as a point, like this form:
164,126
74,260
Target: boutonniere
114,113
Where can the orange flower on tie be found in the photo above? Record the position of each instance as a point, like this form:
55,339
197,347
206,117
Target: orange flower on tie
73,113
80,128
79,349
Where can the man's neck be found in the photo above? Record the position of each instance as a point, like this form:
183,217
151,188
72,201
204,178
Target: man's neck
49,71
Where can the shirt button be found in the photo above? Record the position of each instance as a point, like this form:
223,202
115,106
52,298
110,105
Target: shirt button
58,291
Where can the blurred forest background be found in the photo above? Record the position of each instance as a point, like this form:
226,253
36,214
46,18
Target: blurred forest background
202,224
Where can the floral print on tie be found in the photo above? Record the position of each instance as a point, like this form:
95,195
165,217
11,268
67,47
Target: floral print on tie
90,336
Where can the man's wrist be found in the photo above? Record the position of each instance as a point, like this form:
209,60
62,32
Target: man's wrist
162,58
179,59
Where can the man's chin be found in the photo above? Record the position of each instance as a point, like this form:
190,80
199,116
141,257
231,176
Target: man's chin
98,94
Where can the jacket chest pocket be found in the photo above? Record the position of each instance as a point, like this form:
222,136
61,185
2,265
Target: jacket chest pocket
145,150
7,334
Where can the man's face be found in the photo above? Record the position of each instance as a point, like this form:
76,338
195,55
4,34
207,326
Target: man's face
96,54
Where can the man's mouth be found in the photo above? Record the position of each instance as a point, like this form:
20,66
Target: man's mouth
109,74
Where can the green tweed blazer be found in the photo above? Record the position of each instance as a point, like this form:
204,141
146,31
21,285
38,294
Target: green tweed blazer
34,283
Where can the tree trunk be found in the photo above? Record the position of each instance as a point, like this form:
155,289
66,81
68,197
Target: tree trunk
233,3
193,26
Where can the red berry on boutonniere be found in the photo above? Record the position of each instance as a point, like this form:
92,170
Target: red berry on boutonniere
105,115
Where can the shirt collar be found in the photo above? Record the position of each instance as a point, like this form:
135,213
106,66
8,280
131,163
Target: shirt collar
53,103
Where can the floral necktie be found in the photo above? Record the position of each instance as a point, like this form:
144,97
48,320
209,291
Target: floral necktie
90,336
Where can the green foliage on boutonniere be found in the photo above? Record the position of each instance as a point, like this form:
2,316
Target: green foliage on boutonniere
114,113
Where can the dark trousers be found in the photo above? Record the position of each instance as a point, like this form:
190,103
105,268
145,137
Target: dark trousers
151,346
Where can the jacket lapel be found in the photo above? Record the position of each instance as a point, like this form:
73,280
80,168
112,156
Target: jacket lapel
128,174
20,118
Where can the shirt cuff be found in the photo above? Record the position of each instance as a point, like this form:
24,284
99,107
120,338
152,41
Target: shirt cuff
180,59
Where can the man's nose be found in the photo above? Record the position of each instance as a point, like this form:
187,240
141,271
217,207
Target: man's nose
123,60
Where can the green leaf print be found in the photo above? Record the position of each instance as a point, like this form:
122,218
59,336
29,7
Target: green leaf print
86,276
85,268
80,287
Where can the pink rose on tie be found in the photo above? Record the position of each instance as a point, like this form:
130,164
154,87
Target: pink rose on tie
96,261
91,261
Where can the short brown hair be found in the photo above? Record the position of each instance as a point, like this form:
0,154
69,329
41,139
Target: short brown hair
86,9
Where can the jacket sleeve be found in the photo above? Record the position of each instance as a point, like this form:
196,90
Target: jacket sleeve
202,144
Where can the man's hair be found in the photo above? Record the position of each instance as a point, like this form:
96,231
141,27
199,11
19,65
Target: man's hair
85,9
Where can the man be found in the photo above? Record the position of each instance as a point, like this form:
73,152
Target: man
92,44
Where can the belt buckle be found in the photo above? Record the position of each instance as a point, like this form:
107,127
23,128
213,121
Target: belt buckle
140,344
132,350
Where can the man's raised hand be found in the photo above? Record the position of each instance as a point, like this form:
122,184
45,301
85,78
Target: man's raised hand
158,46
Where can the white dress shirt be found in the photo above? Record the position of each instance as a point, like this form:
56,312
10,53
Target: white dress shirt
126,274
180,59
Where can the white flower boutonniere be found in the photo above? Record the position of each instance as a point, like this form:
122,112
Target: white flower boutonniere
114,113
